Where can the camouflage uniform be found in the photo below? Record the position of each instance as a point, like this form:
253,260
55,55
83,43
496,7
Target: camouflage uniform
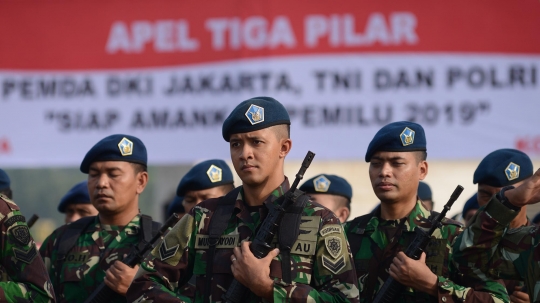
24,277
161,276
86,263
487,246
373,257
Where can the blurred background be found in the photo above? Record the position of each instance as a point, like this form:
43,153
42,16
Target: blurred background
169,72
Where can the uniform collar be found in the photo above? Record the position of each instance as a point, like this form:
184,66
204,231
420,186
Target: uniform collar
417,217
131,228
241,205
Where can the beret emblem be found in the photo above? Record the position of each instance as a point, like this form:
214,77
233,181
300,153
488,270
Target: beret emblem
407,136
214,173
255,114
512,171
126,147
321,184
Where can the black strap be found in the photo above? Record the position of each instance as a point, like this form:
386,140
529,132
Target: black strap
289,230
218,224
355,239
149,229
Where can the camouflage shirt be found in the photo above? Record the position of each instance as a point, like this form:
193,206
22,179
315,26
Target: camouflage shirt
24,278
84,266
320,273
373,257
489,248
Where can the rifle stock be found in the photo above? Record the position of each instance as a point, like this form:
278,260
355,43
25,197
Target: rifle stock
103,294
392,288
261,244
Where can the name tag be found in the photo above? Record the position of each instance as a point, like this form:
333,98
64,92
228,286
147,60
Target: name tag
77,258
227,241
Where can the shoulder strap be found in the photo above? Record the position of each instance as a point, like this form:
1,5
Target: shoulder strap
218,224
68,239
289,230
355,239
149,229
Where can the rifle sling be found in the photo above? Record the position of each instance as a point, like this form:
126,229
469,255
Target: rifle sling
289,230
218,224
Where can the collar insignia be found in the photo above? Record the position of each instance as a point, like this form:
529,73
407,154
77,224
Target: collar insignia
512,171
255,114
126,147
321,184
407,136
214,173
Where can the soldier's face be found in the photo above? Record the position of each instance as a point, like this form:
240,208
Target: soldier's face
194,197
114,186
258,156
395,175
76,211
485,192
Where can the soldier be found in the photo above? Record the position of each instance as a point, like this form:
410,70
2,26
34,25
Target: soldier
470,208
424,194
24,277
489,248
81,255
332,192
397,156
76,203
206,180
318,269
505,167
5,185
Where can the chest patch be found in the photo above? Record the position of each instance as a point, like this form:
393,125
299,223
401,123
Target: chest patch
77,258
226,241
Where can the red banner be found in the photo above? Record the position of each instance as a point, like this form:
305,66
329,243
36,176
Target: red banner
74,35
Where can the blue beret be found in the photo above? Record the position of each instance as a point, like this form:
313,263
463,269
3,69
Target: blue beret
78,194
424,191
255,114
472,203
503,167
328,184
400,136
5,182
176,206
207,174
116,148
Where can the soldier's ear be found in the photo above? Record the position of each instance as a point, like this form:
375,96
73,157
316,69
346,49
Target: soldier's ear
142,180
423,168
286,145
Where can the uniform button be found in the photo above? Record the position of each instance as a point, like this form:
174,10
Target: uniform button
443,299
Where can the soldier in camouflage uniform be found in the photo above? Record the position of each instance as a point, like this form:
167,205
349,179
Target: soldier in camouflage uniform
397,156
489,248
24,275
116,168
320,267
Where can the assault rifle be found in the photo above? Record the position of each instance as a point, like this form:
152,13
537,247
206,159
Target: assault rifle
392,288
261,244
32,220
103,294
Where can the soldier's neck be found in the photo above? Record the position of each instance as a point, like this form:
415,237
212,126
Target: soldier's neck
395,210
119,219
256,194
520,219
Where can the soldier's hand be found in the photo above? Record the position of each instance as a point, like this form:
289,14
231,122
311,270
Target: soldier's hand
526,193
413,273
119,276
252,272
518,296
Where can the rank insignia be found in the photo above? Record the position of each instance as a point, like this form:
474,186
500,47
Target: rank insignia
335,266
255,114
166,252
407,136
214,173
334,246
21,234
126,147
512,171
321,184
